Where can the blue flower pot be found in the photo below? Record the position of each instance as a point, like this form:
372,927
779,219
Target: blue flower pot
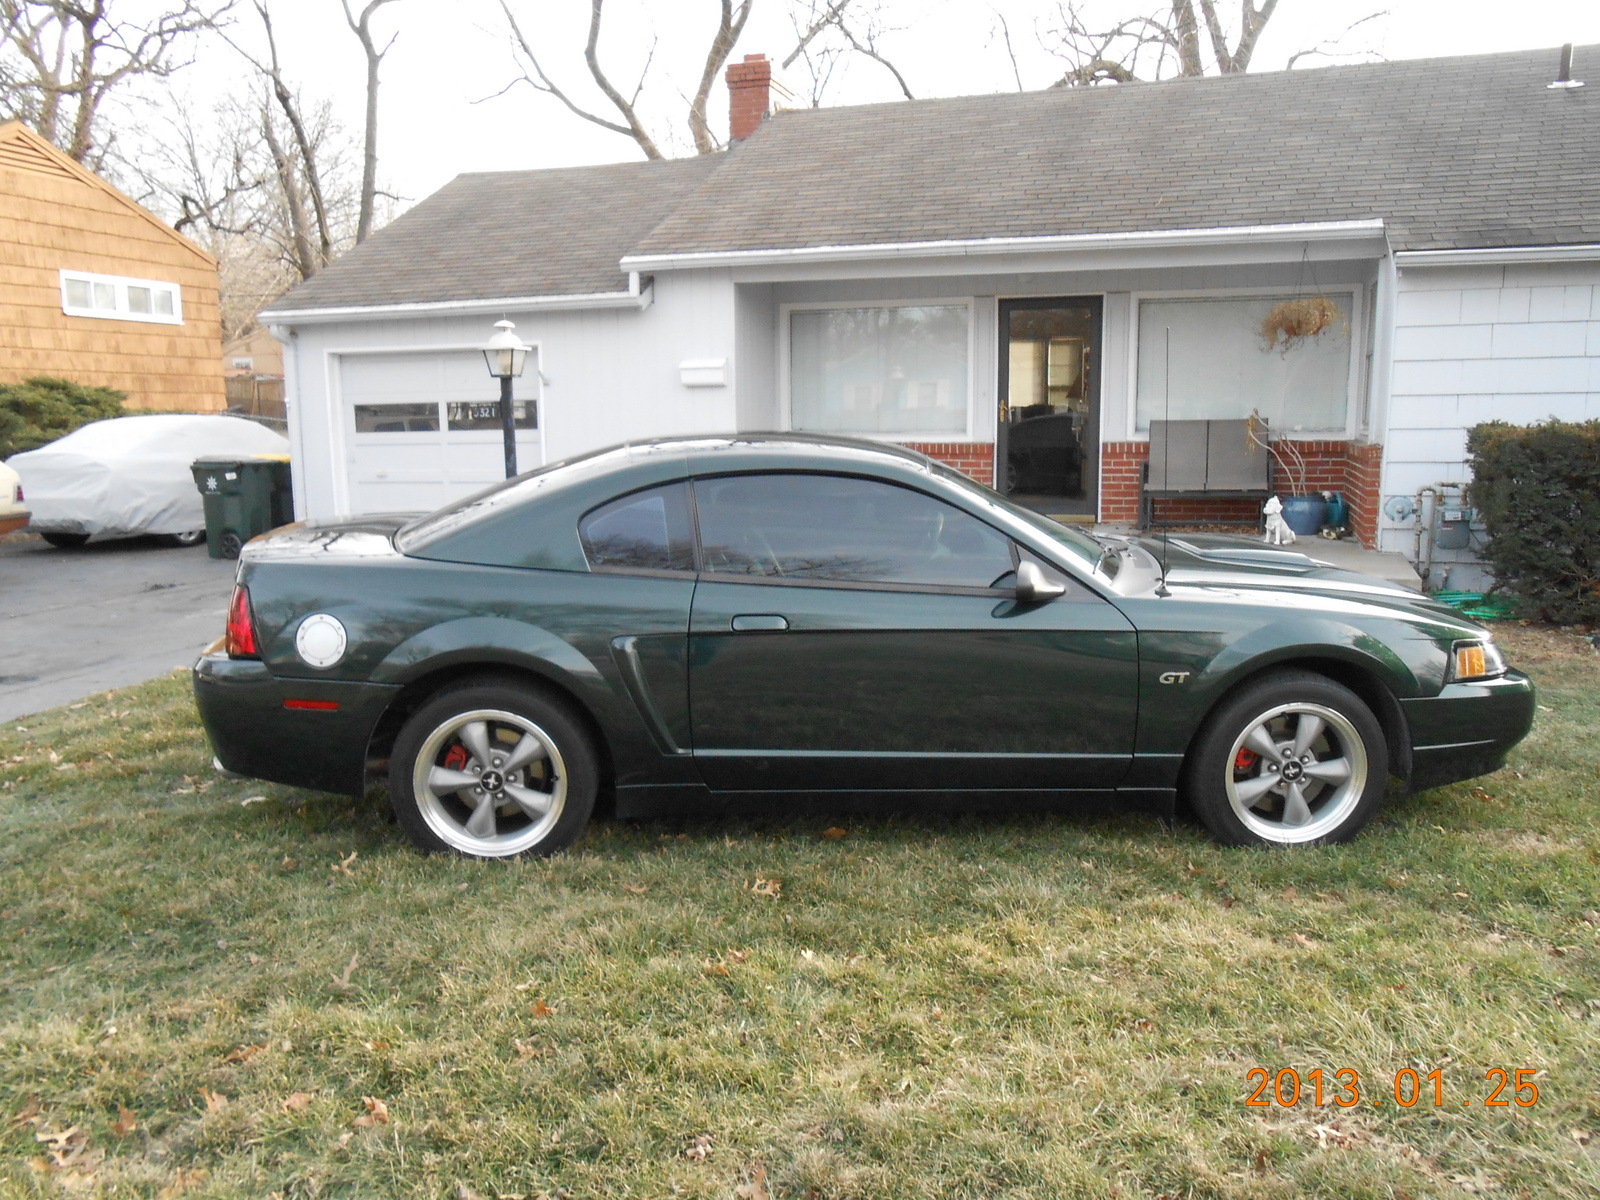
1304,514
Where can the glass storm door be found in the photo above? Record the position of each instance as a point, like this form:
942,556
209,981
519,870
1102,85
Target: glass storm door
1047,442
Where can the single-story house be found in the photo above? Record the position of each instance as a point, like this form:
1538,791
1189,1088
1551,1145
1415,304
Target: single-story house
1015,284
96,289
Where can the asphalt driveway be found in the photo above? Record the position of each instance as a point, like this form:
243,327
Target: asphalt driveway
76,622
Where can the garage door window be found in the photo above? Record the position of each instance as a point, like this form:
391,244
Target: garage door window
397,418
473,414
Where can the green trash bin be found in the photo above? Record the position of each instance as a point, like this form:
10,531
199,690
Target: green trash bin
243,497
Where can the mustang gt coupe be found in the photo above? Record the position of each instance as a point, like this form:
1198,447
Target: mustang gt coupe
764,615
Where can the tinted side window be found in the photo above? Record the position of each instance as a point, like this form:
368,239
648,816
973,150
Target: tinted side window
826,527
646,530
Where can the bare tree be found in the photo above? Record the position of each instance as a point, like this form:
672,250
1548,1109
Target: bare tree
829,30
61,59
362,27
1172,39
631,125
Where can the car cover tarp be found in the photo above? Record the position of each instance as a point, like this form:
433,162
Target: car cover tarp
131,475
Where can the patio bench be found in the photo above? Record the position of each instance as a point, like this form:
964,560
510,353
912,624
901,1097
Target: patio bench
1211,460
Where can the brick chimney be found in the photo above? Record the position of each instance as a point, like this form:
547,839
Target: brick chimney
752,94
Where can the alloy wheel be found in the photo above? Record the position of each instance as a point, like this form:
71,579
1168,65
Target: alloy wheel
490,783
1296,773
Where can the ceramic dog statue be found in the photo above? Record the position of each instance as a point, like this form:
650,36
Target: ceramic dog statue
1278,531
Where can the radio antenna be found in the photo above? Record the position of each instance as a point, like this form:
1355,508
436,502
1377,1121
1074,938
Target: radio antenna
1166,457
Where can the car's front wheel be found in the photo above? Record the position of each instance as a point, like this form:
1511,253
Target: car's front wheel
1293,759
493,770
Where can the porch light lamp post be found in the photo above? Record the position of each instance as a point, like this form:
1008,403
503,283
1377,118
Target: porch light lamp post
506,355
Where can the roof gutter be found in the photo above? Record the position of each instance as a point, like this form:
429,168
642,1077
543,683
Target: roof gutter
1319,231
639,295
1497,256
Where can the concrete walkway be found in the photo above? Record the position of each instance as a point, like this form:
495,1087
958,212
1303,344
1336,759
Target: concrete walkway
1345,553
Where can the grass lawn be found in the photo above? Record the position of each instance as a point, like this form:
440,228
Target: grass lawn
216,988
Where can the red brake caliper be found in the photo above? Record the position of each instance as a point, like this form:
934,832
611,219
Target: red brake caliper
456,757
1245,759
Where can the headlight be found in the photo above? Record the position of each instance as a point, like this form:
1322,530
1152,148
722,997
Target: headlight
1475,660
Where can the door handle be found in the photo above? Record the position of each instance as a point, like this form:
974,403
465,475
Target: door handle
759,622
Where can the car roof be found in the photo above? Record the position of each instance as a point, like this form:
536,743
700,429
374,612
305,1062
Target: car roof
735,451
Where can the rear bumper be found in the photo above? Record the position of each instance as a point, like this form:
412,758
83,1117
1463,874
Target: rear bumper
1467,729
242,706
13,520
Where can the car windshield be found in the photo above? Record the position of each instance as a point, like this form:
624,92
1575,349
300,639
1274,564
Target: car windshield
1083,545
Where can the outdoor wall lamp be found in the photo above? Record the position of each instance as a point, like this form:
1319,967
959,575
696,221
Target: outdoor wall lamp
506,355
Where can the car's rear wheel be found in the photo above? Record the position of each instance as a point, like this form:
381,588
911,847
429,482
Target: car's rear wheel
192,537
1294,759
66,541
493,770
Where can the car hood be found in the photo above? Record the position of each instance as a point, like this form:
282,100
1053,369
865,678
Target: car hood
352,537
1217,562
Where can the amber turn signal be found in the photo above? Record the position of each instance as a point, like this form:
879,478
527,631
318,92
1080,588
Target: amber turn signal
1476,660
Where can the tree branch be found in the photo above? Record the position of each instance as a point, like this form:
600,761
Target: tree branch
728,31
362,28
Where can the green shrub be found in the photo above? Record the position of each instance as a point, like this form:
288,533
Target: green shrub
41,409
1538,490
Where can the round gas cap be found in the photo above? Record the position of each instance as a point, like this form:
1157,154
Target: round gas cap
320,640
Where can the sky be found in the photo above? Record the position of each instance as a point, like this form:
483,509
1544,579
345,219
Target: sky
445,107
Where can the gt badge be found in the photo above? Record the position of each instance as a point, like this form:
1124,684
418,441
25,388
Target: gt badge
1174,676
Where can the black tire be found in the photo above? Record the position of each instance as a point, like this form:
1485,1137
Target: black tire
1246,797
231,545
566,771
66,541
192,537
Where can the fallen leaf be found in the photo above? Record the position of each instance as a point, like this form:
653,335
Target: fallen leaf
1289,893
249,800
215,1101
1229,902
244,1053
1097,979
125,1123
712,967
835,833
756,1189
377,1113
1582,1136
808,955
771,888
376,1046
342,982
1494,939
298,1102
343,1140
29,1110
637,889
1302,940
700,1149
288,864
525,1049
1143,1025
463,1192
1461,895
182,1182
342,867
541,1009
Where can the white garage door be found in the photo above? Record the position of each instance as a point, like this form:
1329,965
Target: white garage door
423,428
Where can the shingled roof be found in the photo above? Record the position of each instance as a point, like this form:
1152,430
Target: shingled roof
1449,152
502,234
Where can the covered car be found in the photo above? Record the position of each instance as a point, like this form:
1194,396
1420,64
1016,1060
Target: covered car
130,475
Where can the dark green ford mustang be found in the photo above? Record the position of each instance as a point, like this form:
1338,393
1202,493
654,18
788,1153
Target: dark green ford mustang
780,614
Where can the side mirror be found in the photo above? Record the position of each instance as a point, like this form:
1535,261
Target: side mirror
1033,587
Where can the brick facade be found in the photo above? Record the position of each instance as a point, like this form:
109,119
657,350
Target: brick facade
973,459
1330,466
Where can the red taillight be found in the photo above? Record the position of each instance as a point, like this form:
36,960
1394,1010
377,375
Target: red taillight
241,637
20,496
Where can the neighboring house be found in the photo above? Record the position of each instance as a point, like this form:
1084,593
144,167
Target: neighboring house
256,354
1016,284
95,289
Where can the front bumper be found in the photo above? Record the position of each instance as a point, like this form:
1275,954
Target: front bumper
242,706
1467,729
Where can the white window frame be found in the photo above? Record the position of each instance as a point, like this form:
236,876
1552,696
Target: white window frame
1358,336
121,284
784,363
